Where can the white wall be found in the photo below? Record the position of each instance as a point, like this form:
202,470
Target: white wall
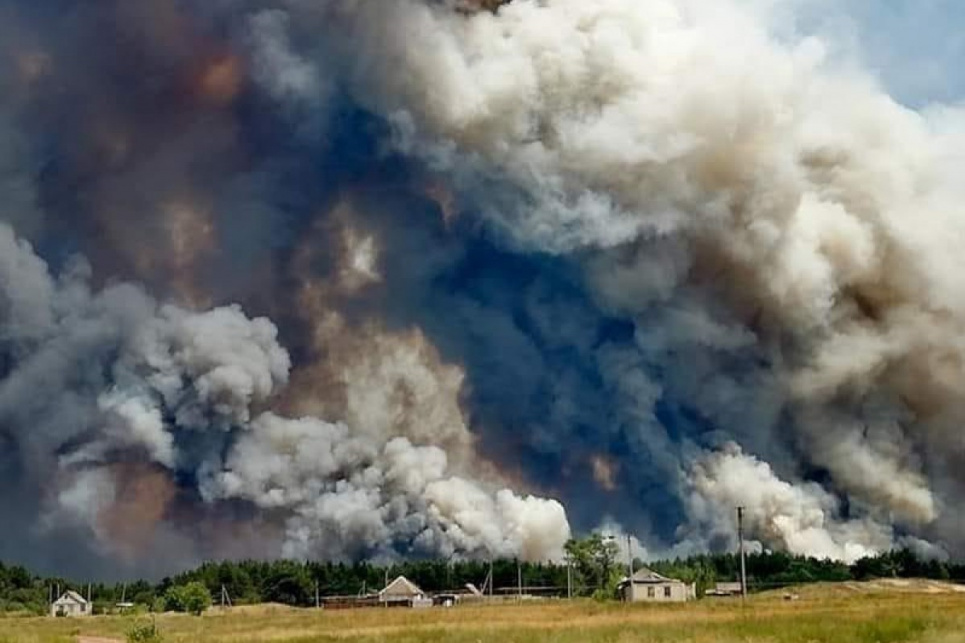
640,592
69,609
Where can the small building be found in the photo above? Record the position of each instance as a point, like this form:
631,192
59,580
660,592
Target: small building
724,589
70,604
403,593
647,585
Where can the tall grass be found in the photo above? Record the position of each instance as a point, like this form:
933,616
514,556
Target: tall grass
831,616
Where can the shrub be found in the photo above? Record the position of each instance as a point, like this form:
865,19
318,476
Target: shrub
102,607
144,633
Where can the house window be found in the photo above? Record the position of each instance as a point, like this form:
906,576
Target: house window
666,591
650,592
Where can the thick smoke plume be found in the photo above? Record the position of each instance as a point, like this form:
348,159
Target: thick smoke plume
105,378
755,214
648,258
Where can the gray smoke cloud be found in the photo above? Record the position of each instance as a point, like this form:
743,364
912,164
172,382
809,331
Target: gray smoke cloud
115,377
651,259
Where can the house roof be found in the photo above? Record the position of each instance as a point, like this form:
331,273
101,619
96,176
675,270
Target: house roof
401,586
71,597
647,575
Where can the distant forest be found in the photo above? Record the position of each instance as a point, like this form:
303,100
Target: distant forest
594,572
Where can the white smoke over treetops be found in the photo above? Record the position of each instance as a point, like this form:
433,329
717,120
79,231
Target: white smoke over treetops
801,518
112,374
745,192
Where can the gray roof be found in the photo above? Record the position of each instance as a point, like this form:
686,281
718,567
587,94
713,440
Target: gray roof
647,575
71,597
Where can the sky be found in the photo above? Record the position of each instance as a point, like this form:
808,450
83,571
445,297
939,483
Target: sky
915,47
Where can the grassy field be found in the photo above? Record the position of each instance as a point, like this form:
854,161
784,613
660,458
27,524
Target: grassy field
846,613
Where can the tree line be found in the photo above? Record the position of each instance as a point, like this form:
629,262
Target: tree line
595,570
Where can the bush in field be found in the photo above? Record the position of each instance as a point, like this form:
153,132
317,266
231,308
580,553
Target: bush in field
192,598
144,633
102,607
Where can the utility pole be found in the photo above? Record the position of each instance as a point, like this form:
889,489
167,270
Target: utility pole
740,540
519,580
492,579
569,578
629,558
225,598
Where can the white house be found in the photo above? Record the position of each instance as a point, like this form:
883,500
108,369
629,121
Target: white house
648,586
70,604
403,592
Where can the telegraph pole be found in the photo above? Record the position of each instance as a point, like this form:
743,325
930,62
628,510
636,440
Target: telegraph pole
492,579
740,540
519,579
629,558
569,577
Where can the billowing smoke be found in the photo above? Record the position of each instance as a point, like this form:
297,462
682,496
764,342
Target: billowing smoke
651,259
109,377
802,519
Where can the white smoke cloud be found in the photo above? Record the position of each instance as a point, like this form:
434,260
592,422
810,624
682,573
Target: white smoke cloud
135,422
800,518
352,493
186,387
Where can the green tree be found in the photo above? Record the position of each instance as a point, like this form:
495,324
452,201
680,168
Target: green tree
288,582
594,562
192,598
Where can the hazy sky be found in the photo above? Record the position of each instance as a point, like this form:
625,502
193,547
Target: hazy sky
916,47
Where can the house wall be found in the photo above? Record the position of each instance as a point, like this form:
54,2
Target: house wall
671,592
68,609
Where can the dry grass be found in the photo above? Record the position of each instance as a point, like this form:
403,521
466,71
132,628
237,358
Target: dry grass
846,613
